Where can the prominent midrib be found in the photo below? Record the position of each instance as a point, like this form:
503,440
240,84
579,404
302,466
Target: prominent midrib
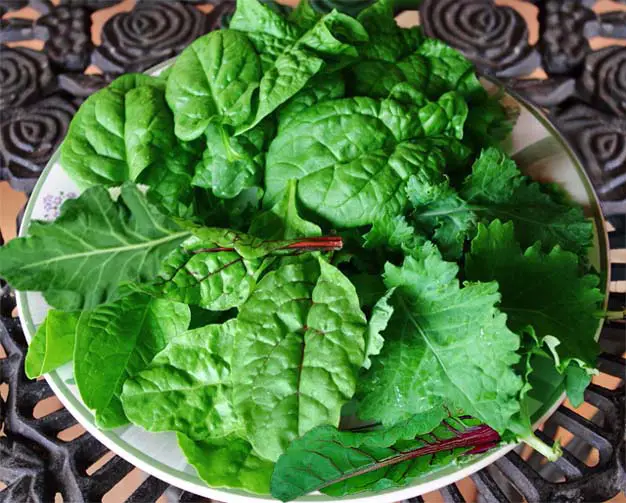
106,251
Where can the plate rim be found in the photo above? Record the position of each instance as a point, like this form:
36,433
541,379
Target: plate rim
183,480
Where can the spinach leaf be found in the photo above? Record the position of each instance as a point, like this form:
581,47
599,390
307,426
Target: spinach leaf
341,462
540,290
299,344
82,258
187,386
282,221
231,164
228,462
213,81
330,43
304,15
116,341
53,344
446,347
352,157
118,132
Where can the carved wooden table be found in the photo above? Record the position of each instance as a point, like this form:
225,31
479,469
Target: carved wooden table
55,53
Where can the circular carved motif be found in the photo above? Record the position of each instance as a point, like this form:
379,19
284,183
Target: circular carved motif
601,141
604,78
29,136
494,37
69,37
153,31
24,75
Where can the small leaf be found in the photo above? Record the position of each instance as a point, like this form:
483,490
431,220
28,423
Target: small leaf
374,341
53,344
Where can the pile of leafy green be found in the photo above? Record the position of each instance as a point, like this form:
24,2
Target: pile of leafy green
321,272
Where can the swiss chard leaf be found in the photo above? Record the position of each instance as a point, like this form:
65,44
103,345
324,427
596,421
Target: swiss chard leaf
446,347
53,344
217,269
349,178
213,81
539,291
81,259
187,386
228,462
341,462
299,344
118,132
116,341
377,323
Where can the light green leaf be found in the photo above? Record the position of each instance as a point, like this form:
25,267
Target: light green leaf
53,344
374,341
118,132
116,341
330,43
348,178
445,347
282,220
81,259
228,462
213,80
187,386
299,345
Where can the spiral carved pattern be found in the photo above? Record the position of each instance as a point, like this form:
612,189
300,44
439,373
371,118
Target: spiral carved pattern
69,43
601,142
604,79
153,31
494,37
24,75
29,136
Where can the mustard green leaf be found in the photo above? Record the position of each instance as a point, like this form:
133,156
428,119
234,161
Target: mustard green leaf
445,347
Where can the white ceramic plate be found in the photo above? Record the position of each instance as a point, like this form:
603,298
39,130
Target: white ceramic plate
537,148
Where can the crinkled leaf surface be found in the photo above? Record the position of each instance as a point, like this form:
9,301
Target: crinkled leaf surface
299,344
231,164
291,59
445,347
497,189
342,462
545,291
96,244
213,80
377,323
228,462
353,156
116,341
118,132
187,386
53,344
